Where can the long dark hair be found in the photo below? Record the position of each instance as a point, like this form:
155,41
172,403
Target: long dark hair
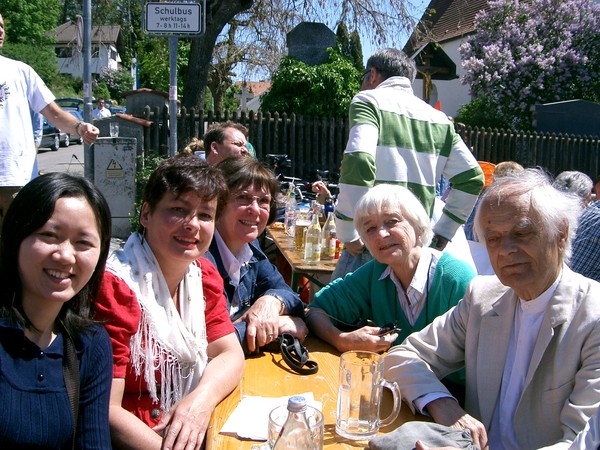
28,212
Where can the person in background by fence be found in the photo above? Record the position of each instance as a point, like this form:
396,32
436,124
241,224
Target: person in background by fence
22,91
225,139
260,302
577,183
586,244
387,144
101,111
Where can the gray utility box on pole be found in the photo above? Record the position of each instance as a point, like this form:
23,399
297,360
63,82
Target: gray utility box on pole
114,175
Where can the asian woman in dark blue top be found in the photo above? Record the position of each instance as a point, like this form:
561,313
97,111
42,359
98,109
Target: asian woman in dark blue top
54,243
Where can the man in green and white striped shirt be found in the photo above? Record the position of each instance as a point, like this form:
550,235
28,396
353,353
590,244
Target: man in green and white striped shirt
396,137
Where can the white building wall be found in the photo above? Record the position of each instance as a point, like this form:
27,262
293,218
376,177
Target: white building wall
452,94
74,64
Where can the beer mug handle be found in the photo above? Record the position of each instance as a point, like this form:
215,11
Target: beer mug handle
393,386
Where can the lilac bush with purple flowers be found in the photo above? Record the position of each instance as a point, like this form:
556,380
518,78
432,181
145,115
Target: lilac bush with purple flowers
529,52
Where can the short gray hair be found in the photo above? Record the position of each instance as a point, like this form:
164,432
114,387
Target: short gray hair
577,183
397,198
391,62
552,208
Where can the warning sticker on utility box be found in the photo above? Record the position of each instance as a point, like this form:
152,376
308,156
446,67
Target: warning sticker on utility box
114,170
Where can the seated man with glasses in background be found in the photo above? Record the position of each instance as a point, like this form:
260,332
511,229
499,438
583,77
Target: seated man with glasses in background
261,304
225,139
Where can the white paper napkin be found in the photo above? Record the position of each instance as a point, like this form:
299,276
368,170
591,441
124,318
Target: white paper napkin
250,419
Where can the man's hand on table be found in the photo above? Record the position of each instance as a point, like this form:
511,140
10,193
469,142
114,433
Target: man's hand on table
447,411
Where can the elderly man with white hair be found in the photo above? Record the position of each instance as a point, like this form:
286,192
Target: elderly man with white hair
528,337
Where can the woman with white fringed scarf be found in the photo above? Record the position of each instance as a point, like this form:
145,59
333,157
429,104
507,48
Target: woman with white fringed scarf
176,355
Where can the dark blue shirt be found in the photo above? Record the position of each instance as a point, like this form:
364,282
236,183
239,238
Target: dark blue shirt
35,412
257,278
585,257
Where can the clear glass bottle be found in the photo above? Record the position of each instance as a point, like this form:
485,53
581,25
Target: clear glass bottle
312,241
290,213
295,433
328,237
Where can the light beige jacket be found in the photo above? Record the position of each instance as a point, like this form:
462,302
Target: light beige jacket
562,386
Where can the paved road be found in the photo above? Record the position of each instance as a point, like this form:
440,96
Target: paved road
66,159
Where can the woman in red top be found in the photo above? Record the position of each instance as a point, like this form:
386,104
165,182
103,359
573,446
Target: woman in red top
176,355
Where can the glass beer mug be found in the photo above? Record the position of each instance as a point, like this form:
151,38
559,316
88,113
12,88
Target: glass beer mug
361,384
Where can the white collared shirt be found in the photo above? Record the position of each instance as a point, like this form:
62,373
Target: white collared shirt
413,300
233,265
528,320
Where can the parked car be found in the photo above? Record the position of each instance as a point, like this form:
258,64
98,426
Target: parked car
53,137
70,103
117,109
77,103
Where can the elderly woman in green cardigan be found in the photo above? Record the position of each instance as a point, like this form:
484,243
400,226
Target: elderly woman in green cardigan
407,284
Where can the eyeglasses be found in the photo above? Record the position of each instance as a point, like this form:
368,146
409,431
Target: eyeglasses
246,199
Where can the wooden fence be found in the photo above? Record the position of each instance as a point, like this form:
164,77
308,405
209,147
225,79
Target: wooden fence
318,143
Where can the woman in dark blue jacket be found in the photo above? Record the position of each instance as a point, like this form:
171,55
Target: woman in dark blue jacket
261,304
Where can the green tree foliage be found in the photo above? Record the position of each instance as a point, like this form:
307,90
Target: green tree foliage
526,53
26,26
153,60
322,90
356,53
101,91
349,46
480,113
117,82
28,21
41,59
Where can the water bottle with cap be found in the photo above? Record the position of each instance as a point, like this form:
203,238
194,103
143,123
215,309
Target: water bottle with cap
295,433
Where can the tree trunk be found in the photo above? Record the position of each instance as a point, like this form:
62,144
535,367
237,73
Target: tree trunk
218,14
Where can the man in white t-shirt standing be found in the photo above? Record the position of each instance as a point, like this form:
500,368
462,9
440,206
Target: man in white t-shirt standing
101,111
23,91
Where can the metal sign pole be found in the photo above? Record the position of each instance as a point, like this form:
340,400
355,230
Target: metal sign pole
88,155
173,95
173,19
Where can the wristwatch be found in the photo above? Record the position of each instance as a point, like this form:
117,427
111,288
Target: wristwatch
439,242
283,308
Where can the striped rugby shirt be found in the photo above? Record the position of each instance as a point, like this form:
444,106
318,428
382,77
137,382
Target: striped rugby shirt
397,138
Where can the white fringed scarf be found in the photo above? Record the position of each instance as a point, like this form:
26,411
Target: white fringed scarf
170,341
